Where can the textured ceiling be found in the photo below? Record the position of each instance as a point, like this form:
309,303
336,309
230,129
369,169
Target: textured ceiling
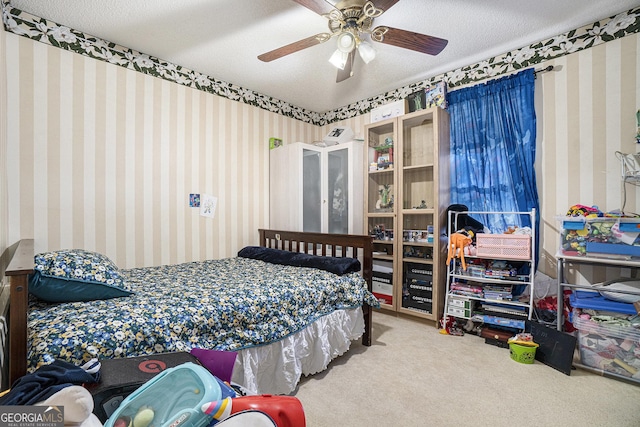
222,38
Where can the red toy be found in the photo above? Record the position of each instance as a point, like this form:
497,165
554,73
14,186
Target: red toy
450,326
286,411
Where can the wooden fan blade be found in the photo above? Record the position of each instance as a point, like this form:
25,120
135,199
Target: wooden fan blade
320,7
294,47
384,4
414,41
348,68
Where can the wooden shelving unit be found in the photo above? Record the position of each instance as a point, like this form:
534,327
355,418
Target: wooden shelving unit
408,234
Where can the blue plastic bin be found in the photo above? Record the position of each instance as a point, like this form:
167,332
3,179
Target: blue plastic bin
175,396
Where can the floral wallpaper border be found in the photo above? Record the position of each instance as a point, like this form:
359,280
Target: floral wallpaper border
45,31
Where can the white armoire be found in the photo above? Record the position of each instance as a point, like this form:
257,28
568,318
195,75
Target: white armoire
316,189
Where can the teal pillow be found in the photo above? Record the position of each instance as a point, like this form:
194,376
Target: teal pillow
76,275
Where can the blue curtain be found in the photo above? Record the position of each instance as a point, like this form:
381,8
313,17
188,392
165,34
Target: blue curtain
493,149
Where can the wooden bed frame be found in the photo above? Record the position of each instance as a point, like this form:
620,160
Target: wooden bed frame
22,263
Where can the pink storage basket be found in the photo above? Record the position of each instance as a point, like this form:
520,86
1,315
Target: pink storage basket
513,246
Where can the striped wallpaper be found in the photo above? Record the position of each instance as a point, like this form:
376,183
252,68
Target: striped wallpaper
586,112
104,158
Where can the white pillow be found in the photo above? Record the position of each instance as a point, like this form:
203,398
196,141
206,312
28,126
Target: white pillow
622,285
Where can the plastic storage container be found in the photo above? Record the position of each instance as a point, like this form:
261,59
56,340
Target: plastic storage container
593,300
172,398
600,236
609,348
508,246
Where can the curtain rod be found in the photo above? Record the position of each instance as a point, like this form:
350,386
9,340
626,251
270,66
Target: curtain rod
543,70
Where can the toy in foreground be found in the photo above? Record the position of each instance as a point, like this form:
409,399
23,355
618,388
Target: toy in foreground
78,406
188,395
142,418
170,399
248,419
285,411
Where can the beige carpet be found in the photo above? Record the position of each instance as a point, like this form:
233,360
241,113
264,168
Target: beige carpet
414,376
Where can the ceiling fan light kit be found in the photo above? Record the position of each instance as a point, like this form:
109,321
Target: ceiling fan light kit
349,21
367,52
339,59
346,42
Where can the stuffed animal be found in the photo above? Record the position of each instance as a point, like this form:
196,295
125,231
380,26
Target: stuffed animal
458,241
78,406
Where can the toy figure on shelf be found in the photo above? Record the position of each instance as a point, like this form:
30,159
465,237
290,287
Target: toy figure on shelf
378,232
457,243
386,198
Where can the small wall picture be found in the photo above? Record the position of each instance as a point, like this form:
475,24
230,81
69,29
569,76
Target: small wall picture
417,101
194,200
208,205
436,95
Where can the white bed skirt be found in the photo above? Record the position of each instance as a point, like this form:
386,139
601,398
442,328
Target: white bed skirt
277,368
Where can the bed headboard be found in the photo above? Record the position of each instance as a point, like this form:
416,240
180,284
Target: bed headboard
336,245
339,245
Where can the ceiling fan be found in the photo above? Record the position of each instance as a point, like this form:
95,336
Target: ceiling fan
350,21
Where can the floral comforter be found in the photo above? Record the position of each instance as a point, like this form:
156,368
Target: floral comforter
226,304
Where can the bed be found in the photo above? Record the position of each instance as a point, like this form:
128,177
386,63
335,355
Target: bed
284,319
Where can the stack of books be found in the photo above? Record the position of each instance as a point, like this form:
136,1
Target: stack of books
498,292
508,311
466,289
